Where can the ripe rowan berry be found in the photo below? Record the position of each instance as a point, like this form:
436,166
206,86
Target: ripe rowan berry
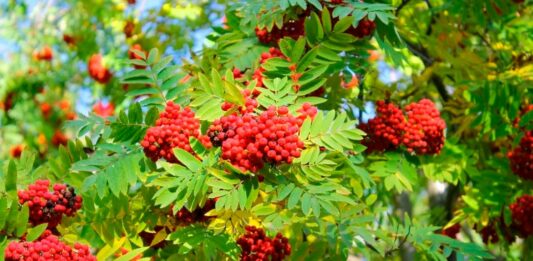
104,109
452,231
134,56
45,54
69,39
173,129
46,110
521,157
365,28
59,138
129,28
47,248
16,151
185,217
384,132
258,73
521,213
256,245
424,130
49,206
249,140
97,70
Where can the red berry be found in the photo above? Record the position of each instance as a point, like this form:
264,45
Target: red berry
521,213
48,247
172,130
249,140
452,231
16,151
45,54
59,138
129,28
384,132
256,245
424,131
134,56
49,206
69,39
521,157
258,74
104,109
365,28
97,70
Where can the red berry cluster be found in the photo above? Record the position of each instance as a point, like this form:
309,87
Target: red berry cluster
489,234
46,110
186,217
134,56
7,104
65,110
45,54
494,231
129,27
237,73
258,74
104,109
292,28
249,140
69,39
384,131
47,248
49,206
521,213
307,110
59,138
424,131
172,130
452,231
365,28
16,151
522,157
256,245
97,70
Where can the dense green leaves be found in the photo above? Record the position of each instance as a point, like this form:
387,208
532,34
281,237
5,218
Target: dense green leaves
396,172
194,237
331,130
130,127
110,172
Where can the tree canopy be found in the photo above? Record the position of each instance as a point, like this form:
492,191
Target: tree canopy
266,130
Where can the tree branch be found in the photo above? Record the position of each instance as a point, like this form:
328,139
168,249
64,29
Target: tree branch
441,88
422,53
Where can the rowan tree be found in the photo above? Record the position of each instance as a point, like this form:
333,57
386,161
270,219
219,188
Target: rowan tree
266,130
